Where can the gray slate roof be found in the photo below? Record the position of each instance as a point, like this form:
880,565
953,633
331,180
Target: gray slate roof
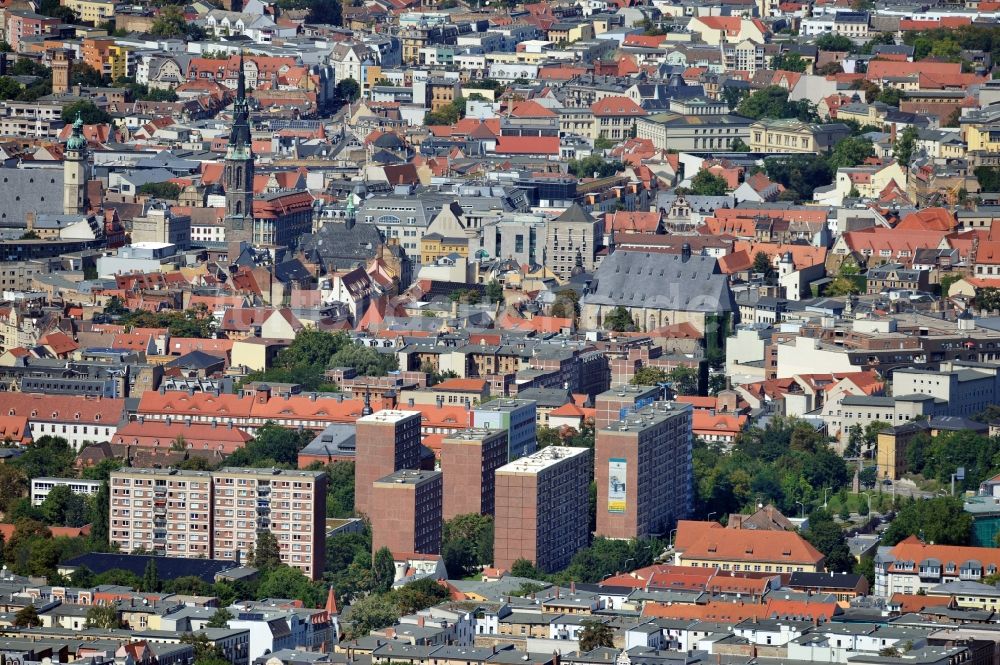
661,281
29,190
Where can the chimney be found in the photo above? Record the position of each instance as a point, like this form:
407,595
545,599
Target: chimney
263,394
685,252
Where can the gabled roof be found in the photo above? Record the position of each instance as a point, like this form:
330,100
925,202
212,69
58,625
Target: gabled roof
531,109
575,214
781,547
617,106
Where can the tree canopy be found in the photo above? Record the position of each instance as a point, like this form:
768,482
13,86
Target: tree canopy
772,102
940,520
593,165
789,62
785,462
87,111
272,445
467,544
706,183
619,320
312,352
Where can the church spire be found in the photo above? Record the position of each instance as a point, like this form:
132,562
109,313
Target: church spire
239,137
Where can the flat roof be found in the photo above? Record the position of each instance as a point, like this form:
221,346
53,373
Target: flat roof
474,434
388,416
504,404
408,477
541,460
649,416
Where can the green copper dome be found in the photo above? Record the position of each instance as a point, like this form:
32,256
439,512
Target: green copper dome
76,140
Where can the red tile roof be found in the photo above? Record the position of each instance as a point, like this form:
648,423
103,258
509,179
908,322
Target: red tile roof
527,145
462,385
929,219
879,69
531,109
780,547
199,436
913,550
617,106
64,408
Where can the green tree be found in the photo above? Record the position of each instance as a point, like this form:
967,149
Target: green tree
988,177
494,291
524,568
188,585
170,23
738,145
13,485
204,648
866,567
594,165
27,617
371,613
365,360
418,595
705,183
272,445
619,320
847,282
685,380
905,146
890,96
789,62
939,520
383,570
762,264
99,526
834,43
607,556
828,538
64,508
459,557
103,616
546,436
160,190
87,111
648,375
85,75
733,95
603,143
221,618
850,152
150,578
567,304
287,582
349,563
102,470
988,298
266,554
772,102
48,456
800,174
347,90
9,88
596,634
340,492
448,114
468,540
